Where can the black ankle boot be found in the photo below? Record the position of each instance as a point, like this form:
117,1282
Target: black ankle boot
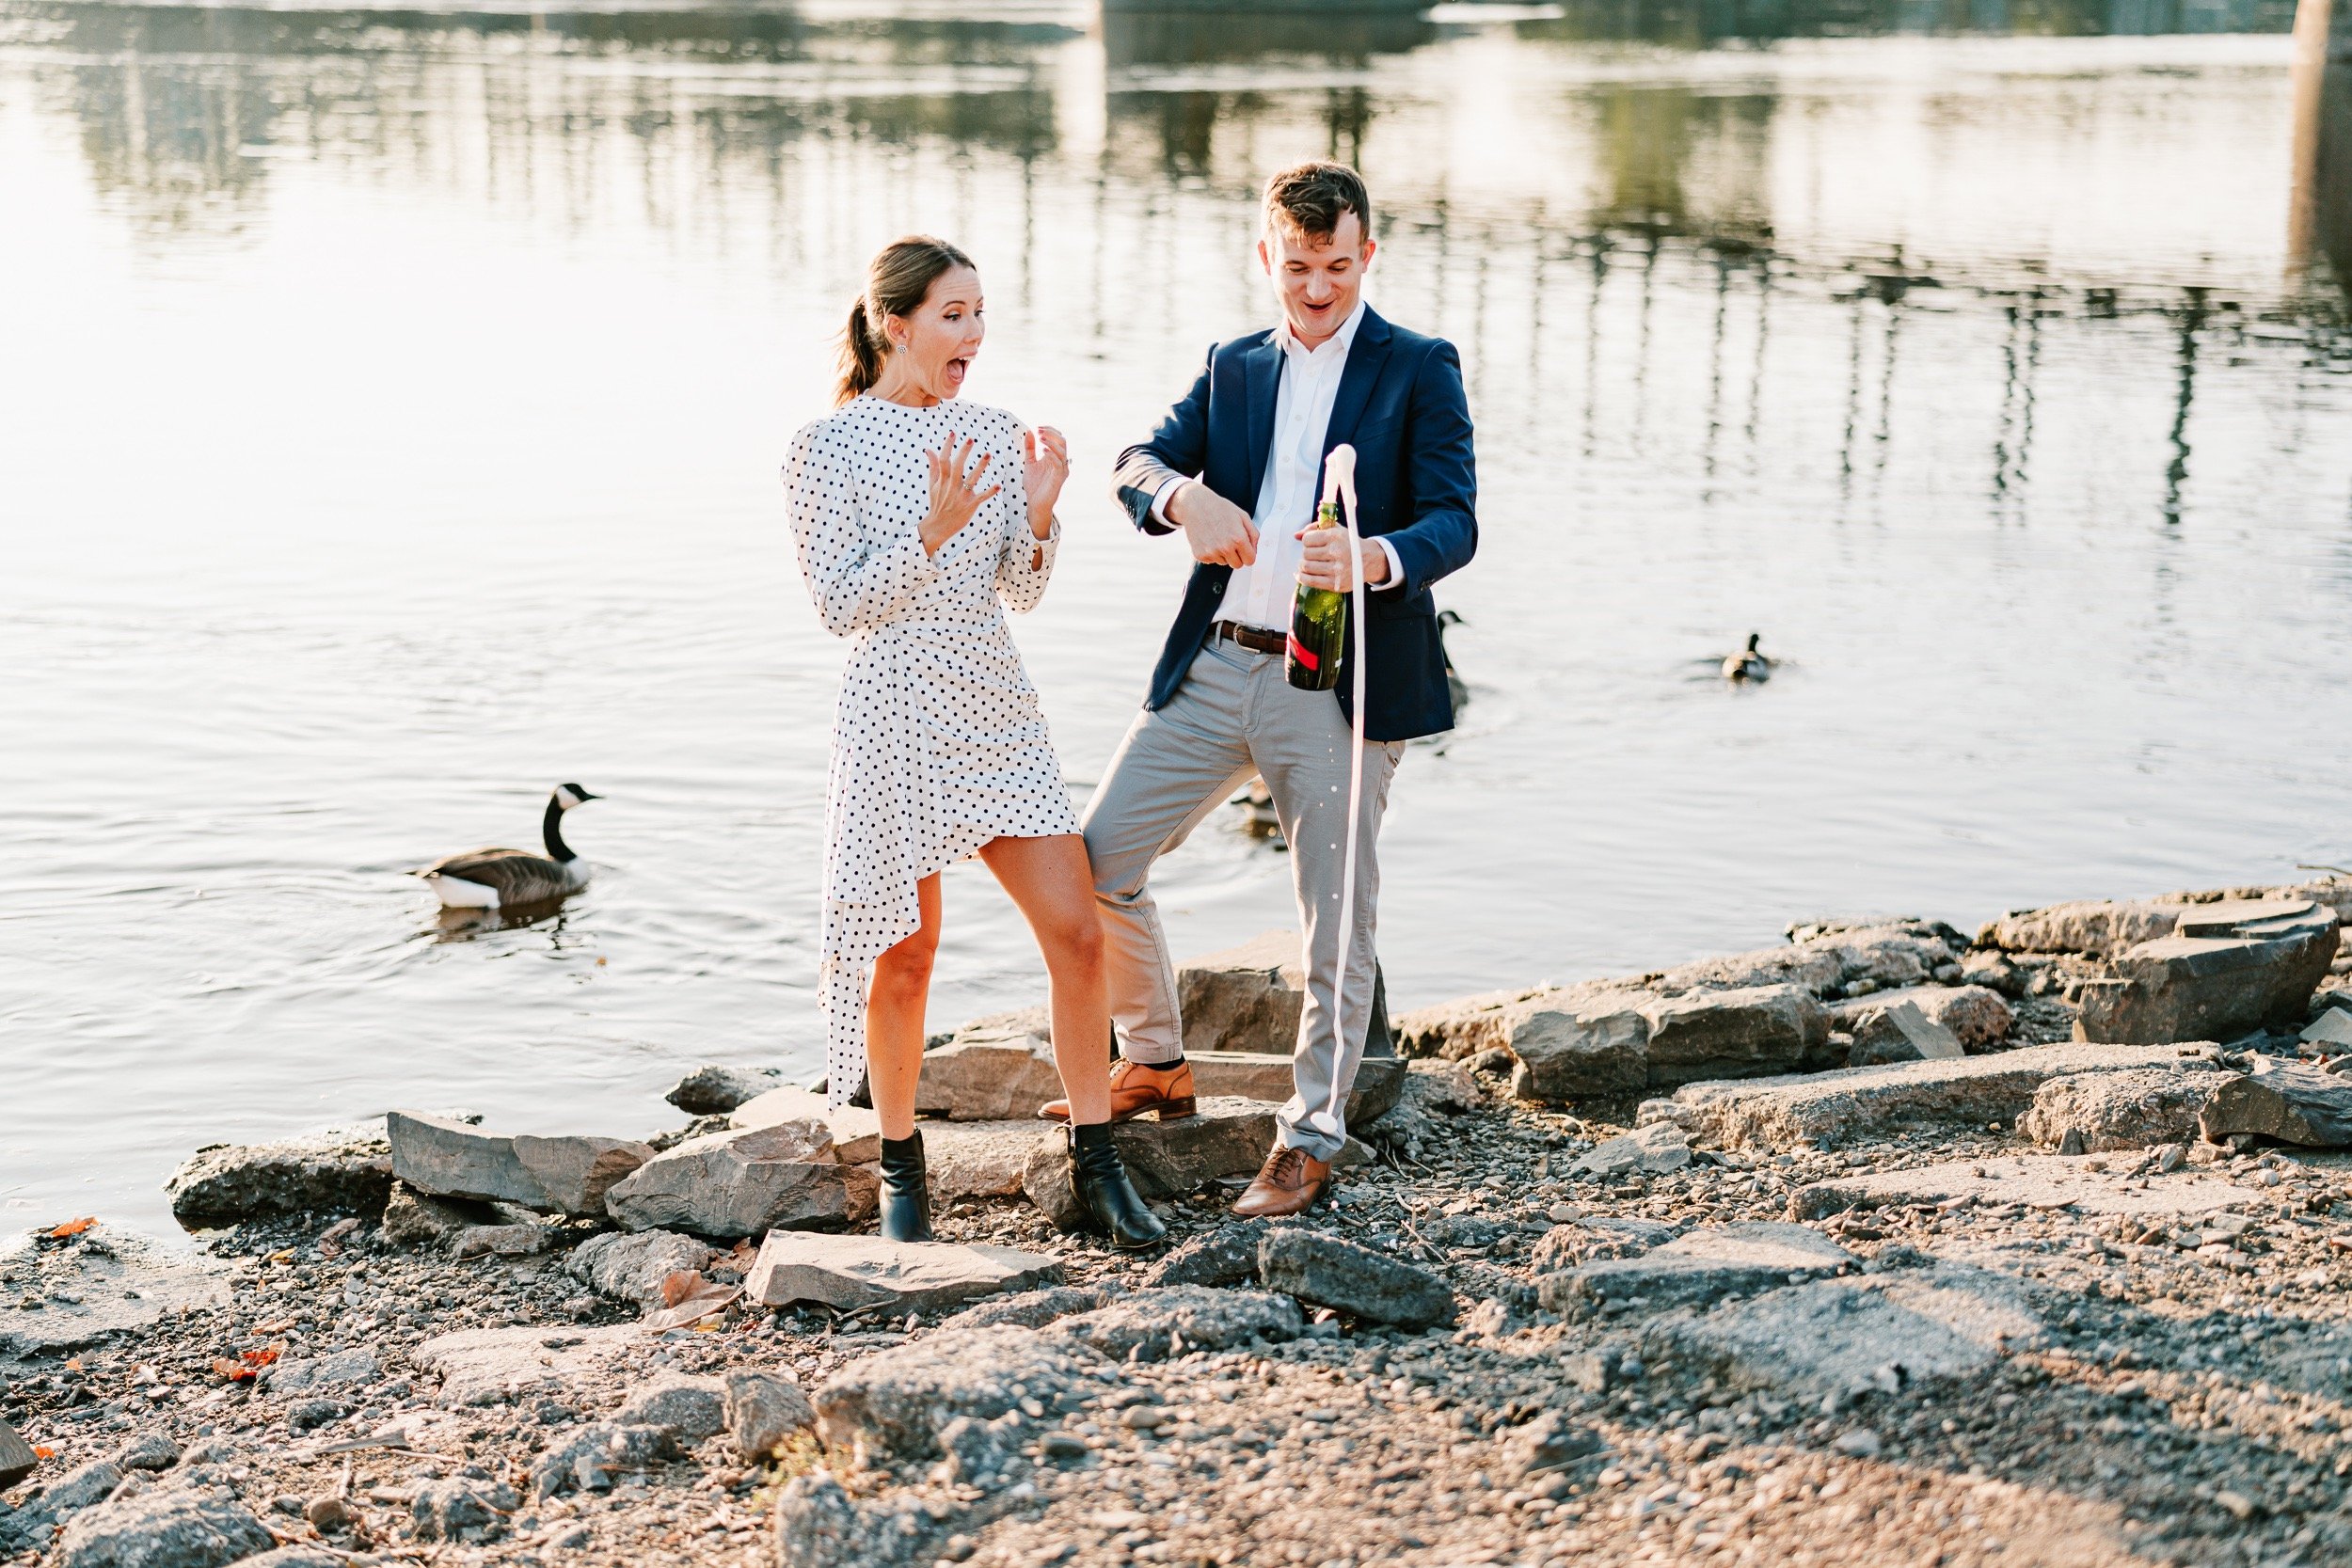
1099,1178
906,1190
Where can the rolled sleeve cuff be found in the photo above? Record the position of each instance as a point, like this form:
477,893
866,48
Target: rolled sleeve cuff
1160,499
1396,566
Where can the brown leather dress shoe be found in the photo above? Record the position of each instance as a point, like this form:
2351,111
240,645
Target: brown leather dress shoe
1137,1088
1290,1181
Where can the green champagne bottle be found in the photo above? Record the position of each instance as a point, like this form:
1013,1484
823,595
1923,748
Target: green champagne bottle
1318,626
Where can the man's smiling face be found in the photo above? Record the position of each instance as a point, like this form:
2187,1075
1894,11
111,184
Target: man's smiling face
1318,277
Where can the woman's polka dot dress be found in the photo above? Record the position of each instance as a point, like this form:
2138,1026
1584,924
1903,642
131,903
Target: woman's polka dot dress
938,744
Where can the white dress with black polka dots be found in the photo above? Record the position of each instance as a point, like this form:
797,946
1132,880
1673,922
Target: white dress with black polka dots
939,743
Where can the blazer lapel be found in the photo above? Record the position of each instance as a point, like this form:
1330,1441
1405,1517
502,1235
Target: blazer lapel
1262,377
1365,356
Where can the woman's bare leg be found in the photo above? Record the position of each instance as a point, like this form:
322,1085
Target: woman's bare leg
893,1017
1049,881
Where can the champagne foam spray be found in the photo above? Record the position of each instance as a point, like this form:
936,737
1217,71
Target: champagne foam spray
1338,483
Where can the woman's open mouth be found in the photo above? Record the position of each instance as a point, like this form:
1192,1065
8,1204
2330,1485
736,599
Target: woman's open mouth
956,369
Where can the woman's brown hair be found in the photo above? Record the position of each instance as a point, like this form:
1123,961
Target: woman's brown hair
897,280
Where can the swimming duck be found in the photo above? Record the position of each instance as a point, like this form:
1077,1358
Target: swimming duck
1749,664
485,878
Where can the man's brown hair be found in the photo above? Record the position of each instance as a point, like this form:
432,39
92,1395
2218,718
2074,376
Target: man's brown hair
1309,197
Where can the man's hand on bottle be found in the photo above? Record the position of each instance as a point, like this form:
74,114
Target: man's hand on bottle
1326,562
1218,532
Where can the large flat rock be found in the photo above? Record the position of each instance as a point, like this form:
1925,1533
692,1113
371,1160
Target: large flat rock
1578,1043
895,1403
988,1075
782,1177
232,1182
502,1366
2100,928
854,1272
200,1526
1247,1075
856,1132
1702,1266
2093,1112
1226,1137
1326,1271
2227,969
2046,1182
1831,1108
2294,1102
1249,998
98,1286
567,1174
1845,1336
981,1159
1974,1016
1747,1032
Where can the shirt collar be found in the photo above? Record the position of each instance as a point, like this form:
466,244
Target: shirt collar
1345,338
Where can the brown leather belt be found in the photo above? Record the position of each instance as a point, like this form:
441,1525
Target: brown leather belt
1256,639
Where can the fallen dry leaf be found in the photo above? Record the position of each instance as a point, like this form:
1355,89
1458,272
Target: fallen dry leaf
710,1299
43,1452
258,1358
72,1227
680,1283
235,1371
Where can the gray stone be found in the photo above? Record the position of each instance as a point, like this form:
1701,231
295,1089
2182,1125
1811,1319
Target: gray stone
1227,1257
1463,1028
1901,1033
296,1556
2043,1182
1545,1446
235,1183
1653,1151
1329,1272
415,1219
1831,1108
2099,928
2291,1102
781,1177
348,1368
1248,1075
449,1159
460,1510
1579,1043
854,1272
818,1525
1747,1033
1157,1325
1705,1265
980,1159
2226,969
1589,1241
1975,1015
1035,1308
17,1459
2333,1026
691,1408
517,1238
988,1076
630,1266
192,1527
764,1410
893,1404
148,1450
84,1486
1247,998
2105,1111
498,1366
857,1132
593,1458
103,1285
1838,1337
1225,1137
576,1172
1994,971
714,1089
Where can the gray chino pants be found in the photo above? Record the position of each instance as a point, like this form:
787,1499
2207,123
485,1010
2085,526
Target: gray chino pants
1235,715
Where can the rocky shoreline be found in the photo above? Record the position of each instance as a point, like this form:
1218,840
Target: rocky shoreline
1886,1244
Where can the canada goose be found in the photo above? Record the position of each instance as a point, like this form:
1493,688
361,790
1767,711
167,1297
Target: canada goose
1456,686
485,878
1749,664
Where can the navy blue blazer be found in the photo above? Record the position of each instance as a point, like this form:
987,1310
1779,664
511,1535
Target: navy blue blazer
1400,402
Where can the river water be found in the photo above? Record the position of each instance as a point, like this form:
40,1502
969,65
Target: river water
391,404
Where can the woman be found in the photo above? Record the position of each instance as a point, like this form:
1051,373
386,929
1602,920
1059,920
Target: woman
918,521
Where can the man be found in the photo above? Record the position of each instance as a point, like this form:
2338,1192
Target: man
1236,467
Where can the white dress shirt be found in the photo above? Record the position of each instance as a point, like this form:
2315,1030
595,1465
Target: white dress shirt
1260,594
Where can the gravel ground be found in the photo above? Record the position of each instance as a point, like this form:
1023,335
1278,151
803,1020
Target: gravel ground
2181,1397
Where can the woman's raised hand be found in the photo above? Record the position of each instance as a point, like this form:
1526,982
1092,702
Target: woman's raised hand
1044,465
956,494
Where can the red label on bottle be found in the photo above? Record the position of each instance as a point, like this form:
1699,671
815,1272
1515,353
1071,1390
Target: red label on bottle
1300,652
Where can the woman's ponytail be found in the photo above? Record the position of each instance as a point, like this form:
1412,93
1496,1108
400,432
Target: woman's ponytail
861,355
896,282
